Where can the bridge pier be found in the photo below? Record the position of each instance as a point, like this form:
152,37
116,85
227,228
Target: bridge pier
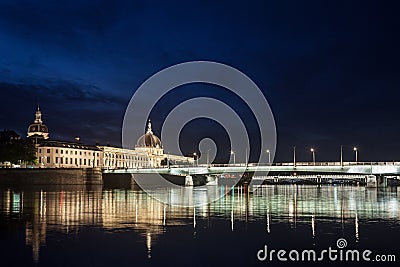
376,181
382,181
188,180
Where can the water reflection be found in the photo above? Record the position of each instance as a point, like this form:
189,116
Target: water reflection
45,211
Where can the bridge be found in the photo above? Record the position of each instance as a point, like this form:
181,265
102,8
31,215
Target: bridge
369,173
366,168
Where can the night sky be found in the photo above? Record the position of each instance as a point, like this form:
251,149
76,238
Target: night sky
329,69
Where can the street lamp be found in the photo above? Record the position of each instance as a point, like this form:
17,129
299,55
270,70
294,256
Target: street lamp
167,161
234,157
356,152
208,157
195,158
341,155
312,150
269,156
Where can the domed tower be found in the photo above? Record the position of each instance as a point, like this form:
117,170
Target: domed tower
37,130
149,140
151,145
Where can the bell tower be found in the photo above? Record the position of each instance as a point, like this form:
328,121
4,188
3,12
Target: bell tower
37,130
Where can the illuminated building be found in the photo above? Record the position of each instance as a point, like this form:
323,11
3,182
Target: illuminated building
116,157
148,151
61,154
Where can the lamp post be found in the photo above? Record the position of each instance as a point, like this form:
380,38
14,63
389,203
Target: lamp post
269,156
312,150
294,156
234,157
167,161
208,158
341,156
356,153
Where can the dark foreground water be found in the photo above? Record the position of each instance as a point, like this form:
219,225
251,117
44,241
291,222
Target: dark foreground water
125,227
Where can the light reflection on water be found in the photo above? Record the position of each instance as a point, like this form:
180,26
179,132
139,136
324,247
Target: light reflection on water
44,213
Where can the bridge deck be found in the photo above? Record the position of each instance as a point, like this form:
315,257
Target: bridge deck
388,168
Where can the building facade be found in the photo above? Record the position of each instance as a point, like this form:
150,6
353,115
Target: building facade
148,152
61,154
118,158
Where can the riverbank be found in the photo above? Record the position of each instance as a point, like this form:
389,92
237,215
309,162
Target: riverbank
51,176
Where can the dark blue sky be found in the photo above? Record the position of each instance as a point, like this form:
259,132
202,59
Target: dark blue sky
329,69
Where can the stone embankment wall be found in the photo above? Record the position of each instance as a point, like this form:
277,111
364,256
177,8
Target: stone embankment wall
47,176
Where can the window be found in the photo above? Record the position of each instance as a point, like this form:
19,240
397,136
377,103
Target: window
56,150
48,159
84,162
56,159
40,159
76,152
40,151
66,152
48,150
61,160
70,161
76,161
80,161
66,160
62,151
80,153
97,162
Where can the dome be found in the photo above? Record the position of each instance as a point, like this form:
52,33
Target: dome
37,129
34,128
149,139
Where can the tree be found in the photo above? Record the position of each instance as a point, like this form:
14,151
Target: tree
16,150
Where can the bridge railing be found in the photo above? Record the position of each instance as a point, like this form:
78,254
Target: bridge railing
328,163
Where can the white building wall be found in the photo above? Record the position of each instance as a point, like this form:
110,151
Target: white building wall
106,157
61,157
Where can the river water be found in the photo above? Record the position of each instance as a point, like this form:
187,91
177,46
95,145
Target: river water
72,226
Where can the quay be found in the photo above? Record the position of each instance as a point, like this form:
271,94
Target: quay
50,176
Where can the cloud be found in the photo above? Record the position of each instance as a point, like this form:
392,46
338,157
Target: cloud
60,90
